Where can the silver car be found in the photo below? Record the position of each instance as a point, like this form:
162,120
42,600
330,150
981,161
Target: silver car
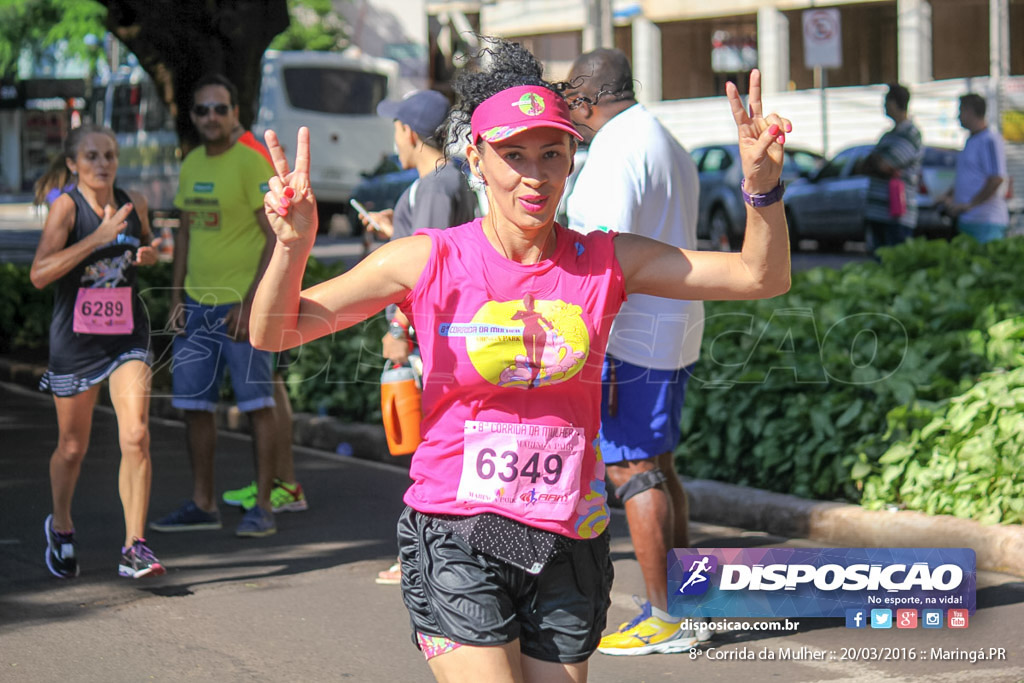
722,214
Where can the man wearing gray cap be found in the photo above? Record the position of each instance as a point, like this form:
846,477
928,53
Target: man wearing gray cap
440,198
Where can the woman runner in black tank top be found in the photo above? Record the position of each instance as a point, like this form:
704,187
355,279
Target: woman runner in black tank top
93,239
82,358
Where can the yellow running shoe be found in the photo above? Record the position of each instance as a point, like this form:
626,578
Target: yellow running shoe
647,634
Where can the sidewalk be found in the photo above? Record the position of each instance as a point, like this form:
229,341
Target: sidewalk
999,548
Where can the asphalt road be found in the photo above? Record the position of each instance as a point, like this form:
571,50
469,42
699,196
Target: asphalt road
302,605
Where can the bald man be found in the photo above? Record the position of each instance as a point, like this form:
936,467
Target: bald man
639,179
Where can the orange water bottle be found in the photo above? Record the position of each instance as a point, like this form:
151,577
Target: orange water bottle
401,407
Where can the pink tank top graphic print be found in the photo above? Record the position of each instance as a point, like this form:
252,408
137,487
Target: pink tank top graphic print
512,377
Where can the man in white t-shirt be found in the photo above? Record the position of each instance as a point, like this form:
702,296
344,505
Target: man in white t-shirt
639,179
978,197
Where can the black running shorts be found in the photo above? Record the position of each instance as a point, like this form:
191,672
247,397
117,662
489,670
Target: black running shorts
454,591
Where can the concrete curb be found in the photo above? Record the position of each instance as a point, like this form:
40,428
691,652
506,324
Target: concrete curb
998,547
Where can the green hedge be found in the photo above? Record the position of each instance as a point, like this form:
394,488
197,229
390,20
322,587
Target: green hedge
805,393
338,375
25,311
892,383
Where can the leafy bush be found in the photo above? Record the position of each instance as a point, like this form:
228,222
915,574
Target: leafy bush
959,457
338,375
794,394
25,311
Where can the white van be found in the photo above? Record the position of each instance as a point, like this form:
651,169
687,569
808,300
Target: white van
335,95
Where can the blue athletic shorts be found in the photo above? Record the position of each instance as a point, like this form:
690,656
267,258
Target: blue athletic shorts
205,351
647,407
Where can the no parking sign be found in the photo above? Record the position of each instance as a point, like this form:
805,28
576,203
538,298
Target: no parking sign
823,38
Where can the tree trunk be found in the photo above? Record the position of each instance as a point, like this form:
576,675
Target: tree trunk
178,42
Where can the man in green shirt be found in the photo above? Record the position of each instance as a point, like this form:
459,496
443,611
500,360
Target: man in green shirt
223,246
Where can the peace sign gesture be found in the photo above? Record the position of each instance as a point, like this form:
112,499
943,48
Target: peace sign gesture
290,205
760,138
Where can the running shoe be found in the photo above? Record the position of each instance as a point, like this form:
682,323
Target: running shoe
188,517
284,497
61,551
256,523
391,576
647,634
138,561
238,497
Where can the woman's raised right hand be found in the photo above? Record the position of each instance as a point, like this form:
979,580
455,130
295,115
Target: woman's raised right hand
290,204
114,223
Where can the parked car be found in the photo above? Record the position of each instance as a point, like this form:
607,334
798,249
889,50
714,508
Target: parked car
722,214
828,206
382,188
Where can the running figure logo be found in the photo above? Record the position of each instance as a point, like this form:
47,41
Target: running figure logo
534,337
698,567
530,104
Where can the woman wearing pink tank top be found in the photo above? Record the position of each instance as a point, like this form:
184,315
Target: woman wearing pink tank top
505,567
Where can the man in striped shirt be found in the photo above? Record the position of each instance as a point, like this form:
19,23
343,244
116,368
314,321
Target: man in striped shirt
891,220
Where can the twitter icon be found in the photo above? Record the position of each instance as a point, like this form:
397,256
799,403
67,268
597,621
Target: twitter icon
881,618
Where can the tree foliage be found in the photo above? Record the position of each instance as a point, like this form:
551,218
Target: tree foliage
40,24
314,26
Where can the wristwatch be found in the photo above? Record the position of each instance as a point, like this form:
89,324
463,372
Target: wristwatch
398,330
761,200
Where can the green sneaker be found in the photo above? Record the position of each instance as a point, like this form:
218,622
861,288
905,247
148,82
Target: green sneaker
239,497
284,497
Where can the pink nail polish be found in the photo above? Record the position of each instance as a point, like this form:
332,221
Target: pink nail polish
282,211
289,192
789,127
773,129
285,203
781,139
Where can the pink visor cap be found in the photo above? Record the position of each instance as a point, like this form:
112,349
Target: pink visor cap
517,109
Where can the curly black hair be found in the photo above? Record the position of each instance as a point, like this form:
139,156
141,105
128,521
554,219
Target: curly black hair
506,65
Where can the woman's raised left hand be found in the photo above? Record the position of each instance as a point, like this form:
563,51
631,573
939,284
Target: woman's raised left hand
147,255
760,138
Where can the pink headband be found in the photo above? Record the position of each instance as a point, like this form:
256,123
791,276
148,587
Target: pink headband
517,109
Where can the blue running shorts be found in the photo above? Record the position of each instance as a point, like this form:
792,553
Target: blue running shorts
640,410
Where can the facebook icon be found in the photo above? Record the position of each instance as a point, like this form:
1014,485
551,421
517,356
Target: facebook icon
856,618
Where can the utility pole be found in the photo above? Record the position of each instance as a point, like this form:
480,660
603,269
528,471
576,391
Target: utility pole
598,30
998,54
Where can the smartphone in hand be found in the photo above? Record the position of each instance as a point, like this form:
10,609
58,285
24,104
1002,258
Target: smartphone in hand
366,214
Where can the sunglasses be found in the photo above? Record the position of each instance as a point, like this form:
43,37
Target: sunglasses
204,109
